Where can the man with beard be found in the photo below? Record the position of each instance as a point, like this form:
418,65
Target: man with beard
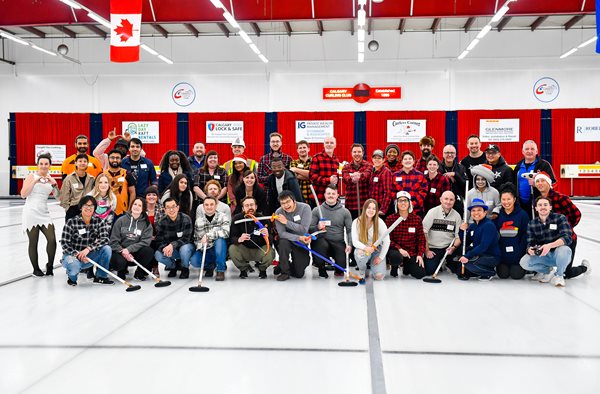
300,167
426,144
140,167
456,174
69,166
122,183
391,153
281,179
264,164
475,156
249,242
197,158
324,167
356,176
502,172
122,145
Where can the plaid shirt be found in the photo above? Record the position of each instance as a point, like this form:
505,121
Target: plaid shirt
176,233
380,187
421,165
413,182
365,168
220,175
563,205
264,165
321,169
556,227
408,235
77,236
435,188
395,167
304,185
215,229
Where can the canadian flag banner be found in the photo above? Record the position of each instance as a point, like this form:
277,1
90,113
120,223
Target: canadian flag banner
126,21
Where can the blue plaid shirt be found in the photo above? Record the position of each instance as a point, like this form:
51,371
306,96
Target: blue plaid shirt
556,227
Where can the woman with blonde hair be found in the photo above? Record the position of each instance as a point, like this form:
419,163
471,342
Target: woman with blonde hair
366,229
104,196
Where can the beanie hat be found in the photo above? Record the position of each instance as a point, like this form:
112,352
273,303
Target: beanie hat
392,146
406,195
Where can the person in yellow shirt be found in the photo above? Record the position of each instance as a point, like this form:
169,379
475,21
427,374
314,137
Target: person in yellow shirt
69,165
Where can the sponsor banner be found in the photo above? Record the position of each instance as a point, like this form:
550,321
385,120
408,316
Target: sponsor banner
313,130
580,171
361,93
587,129
58,152
499,130
406,130
337,93
221,132
386,93
183,94
147,132
546,90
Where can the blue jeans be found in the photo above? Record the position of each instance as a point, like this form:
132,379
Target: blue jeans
216,255
74,266
184,253
483,266
559,258
362,260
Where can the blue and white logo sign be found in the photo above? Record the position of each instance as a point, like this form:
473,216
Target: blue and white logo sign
546,90
183,94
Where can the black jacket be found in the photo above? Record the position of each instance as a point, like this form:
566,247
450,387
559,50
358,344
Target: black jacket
539,166
290,182
502,174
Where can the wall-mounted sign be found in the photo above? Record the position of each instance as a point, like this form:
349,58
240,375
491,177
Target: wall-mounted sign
58,152
546,90
313,130
183,94
499,130
406,130
221,132
147,132
587,129
361,93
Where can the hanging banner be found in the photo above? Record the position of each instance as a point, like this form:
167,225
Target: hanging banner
58,152
499,130
147,132
406,130
221,132
126,22
361,93
587,129
313,130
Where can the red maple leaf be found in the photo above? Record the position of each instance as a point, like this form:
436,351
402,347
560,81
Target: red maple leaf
125,30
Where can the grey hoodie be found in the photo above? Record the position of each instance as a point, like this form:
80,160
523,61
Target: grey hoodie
131,234
340,218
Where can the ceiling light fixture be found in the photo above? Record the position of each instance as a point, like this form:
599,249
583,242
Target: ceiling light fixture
245,37
71,4
14,38
484,32
231,20
43,50
588,42
148,49
463,54
216,3
165,59
100,20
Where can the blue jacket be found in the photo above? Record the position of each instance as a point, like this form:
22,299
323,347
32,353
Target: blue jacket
482,239
512,247
145,174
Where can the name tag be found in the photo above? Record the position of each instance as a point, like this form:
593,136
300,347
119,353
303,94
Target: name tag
121,179
326,222
297,218
411,229
510,249
82,231
433,190
490,204
553,226
138,232
450,227
256,232
180,234
472,232
76,186
217,177
300,166
90,165
376,179
144,166
398,179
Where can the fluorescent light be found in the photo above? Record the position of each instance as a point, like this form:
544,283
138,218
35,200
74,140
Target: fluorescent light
362,17
245,37
361,34
71,4
263,58
588,42
472,44
100,20
255,49
569,53
216,3
486,29
361,46
361,57
148,49
164,59
14,38
43,50
231,20
463,55
500,13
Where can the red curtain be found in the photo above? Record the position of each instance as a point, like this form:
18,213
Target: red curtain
566,151
167,130
377,129
343,130
254,133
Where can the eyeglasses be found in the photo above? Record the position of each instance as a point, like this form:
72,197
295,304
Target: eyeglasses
171,208
450,153
88,206
403,201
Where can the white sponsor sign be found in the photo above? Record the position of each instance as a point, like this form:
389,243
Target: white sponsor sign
58,152
224,132
587,129
499,130
313,130
406,130
147,132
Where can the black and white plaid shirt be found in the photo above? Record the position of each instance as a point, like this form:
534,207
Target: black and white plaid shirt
77,236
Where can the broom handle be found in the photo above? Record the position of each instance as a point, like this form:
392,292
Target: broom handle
108,272
144,268
202,265
464,245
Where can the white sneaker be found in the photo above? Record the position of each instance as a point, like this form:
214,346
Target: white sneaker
587,264
538,276
547,277
558,281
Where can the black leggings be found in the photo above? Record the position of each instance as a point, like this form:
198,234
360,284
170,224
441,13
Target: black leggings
34,235
143,256
514,271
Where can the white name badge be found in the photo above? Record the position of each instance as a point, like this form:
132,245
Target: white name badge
90,165
121,179
138,232
297,218
326,222
510,249
180,234
411,229
490,204
376,179
553,226
472,232
450,227
300,166
76,186
144,166
217,177
82,231
398,179
256,232
433,190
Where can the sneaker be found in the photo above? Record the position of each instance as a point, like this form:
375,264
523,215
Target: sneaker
338,274
90,273
276,270
38,273
323,273
243,274
71,283
185,273
352,263
283,277
485,278
172,273
394,271
103,281
538,276
462,277
155,271
262,274
208,273
587,265
558,281
139,276
122,275
220,276
547,277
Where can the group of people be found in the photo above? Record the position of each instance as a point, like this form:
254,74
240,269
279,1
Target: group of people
477,216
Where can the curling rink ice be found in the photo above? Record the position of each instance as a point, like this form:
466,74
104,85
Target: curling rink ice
301,336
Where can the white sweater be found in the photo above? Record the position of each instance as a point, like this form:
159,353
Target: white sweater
385,245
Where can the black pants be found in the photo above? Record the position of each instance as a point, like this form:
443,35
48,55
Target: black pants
300,258
570,271
34,234
409,265
329,248
514,271
432,264
144,256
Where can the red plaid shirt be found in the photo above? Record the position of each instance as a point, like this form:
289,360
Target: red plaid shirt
264,165
365,169
321,169
435,188
408,235
380,187
395,167
421,165
563,205
413,182
304,185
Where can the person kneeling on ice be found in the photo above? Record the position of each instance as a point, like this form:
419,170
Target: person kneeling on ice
292,221
483,252
250,242
86,236
366,230
335,221
174,239
212,230
548,239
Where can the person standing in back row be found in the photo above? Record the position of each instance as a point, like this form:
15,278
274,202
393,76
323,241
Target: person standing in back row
324,167
475,156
